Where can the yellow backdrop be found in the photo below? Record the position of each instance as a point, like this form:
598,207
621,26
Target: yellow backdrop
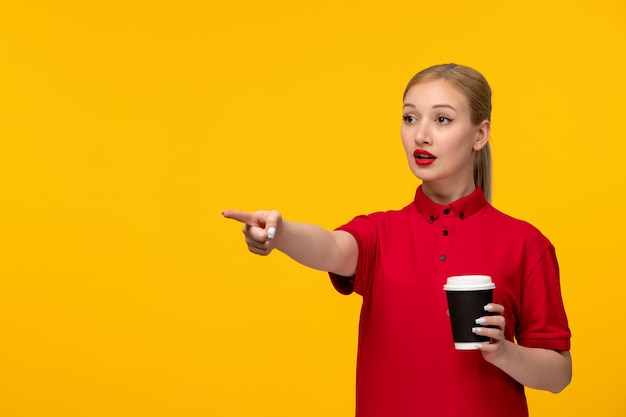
127,126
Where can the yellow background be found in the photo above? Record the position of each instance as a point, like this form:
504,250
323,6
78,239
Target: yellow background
127,126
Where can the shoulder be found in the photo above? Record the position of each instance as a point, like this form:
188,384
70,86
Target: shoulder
392,218
517,228
388,215
378,221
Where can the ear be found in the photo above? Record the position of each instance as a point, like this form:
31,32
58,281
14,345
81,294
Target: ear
482,135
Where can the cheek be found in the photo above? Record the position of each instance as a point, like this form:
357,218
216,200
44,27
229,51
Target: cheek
408,148
464,152
465,142
406,140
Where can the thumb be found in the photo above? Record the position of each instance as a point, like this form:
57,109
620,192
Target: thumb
272,223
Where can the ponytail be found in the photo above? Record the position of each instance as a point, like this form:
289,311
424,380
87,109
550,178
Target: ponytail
482,170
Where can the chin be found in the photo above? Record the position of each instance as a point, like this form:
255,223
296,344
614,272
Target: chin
421,175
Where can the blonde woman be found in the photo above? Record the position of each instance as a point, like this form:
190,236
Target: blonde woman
399,260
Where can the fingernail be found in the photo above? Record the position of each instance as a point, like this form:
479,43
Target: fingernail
271,232
488,307
478,346
476,329
480,320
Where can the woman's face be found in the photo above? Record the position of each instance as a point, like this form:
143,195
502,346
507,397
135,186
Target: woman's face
439,137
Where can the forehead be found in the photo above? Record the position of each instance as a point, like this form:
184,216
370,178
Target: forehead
436,92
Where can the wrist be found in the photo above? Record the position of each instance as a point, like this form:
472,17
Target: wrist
504,354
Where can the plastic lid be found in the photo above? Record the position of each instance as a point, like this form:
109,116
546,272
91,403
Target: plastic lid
469,283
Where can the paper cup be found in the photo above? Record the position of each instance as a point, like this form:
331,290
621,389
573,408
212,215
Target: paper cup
467,296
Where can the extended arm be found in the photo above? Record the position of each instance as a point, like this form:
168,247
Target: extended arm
307,244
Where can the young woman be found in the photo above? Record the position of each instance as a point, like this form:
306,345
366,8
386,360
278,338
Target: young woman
399,260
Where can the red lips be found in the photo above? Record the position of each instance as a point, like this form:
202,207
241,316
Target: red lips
423,157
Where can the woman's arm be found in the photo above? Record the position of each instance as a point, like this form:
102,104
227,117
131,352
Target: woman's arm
536,368
308,244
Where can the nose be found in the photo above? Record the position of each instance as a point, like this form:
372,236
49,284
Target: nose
422,136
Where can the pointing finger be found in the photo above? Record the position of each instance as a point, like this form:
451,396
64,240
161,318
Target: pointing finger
241,216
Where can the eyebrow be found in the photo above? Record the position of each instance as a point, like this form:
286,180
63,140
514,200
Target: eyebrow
436,106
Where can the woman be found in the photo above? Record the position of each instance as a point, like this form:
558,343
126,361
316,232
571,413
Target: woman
398,261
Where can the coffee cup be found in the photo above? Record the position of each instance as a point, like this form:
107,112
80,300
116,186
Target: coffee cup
467,297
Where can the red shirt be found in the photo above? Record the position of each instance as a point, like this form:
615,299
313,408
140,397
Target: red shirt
407,365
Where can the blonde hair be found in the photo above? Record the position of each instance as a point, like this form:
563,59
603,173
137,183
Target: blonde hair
478,92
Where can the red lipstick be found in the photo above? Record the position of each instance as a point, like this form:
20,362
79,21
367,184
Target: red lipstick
423,157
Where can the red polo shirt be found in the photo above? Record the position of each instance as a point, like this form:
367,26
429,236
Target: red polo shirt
407,365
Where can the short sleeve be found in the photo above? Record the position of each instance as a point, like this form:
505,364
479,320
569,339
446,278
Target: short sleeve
343,285
364,230
543,322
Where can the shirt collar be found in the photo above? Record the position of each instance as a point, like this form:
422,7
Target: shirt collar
463,207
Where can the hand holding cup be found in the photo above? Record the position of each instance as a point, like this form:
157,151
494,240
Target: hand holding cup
467,297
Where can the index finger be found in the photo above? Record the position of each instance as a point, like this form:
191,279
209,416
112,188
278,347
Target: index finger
240,216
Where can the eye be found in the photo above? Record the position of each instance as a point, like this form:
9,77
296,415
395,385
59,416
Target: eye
408,119
443,120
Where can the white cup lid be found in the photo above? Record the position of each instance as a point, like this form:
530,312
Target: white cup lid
469,283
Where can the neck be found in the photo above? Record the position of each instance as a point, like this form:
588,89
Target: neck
445,194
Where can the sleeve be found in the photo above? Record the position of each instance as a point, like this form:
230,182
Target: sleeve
365,232
543,322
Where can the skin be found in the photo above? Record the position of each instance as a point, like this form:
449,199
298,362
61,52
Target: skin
436,118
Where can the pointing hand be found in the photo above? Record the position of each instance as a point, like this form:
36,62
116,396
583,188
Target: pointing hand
263,229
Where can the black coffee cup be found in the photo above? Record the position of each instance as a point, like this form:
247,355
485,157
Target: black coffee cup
467,297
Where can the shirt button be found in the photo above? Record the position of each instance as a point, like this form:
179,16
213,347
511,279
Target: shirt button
446,211
442,258
445,233
462,215
431,218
